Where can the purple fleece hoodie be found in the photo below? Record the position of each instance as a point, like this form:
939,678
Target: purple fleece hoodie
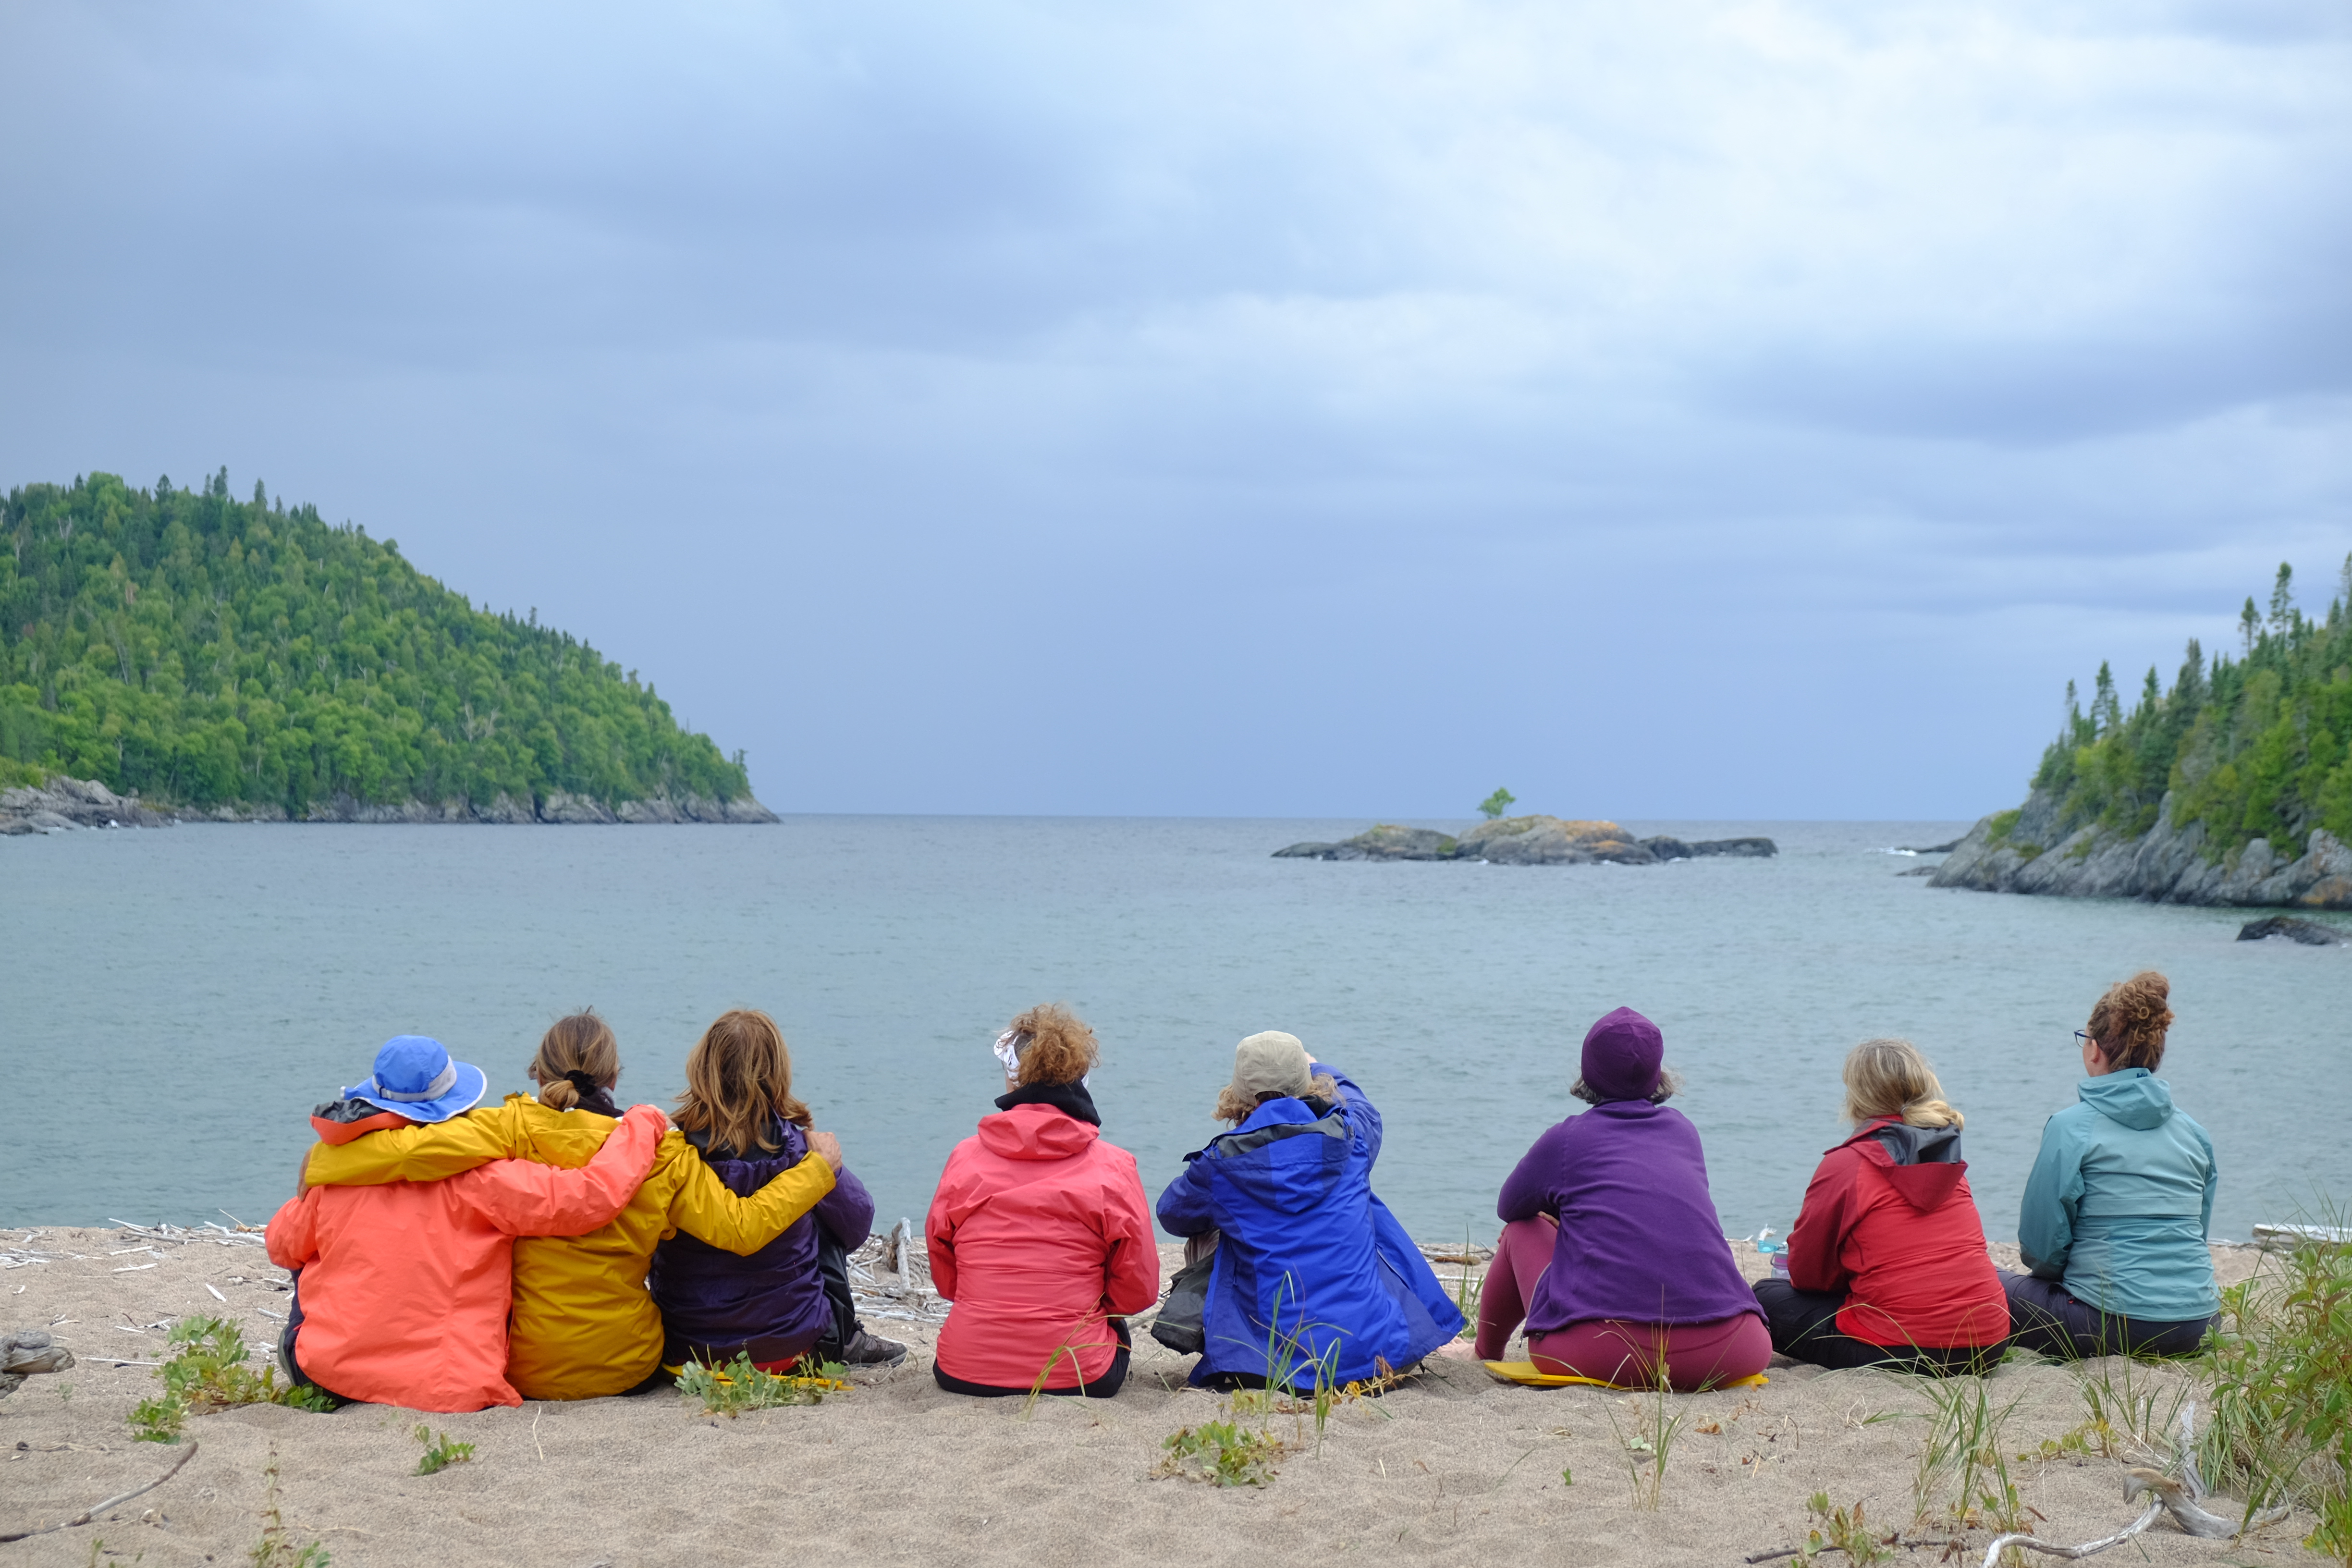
1639,1238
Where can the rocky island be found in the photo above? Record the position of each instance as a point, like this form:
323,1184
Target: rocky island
174,656
1525,841
2232,788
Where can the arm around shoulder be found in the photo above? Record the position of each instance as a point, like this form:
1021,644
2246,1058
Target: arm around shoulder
705,1209
430,1152
523,1198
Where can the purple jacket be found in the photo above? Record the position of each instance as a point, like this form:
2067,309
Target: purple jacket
771,1304
1638,1235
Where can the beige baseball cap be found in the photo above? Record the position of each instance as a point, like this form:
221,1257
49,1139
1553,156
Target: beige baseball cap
1270,1063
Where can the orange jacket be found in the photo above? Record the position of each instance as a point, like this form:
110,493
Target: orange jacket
1038,1231
583,1324
406,1286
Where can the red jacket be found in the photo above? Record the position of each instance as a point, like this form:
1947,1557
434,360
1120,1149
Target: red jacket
406,1286
1039,1233
1888,1220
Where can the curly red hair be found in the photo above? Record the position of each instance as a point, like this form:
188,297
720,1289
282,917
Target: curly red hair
2128,1022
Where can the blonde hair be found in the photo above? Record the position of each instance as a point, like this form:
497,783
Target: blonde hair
2129,1022
737,1075
581,1042
1056,1045
1891,1078
1231,1107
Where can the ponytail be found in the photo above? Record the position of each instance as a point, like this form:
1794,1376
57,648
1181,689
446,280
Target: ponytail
582,1043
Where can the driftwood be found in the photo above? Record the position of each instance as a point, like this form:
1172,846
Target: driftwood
909,1298
94,1509
27,1352
2178,1497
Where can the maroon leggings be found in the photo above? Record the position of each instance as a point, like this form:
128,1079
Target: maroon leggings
1610,1350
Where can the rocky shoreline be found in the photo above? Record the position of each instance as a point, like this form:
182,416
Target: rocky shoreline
1526,841
2031,850
63,805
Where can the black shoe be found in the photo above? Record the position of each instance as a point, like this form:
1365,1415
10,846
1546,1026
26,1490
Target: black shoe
868,1349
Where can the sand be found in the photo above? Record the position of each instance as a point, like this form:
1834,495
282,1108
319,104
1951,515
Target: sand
1455,1468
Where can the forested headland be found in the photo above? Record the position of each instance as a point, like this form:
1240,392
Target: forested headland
2254,747
204,651
2234,786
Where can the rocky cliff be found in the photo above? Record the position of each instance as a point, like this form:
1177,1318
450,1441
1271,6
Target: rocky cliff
2033,851
62,804
1525,841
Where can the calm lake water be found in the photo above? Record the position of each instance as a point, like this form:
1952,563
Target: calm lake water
173,1002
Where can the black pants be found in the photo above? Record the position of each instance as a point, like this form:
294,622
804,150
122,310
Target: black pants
294,1373
2047,1320
1114,1376
1804,1328
832,1262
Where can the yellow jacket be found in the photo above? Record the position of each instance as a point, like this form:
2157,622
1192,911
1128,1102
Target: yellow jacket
583,1324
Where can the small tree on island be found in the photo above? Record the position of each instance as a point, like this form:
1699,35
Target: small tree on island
1495,804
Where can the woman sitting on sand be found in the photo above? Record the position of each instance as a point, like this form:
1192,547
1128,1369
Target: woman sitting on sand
2119,1204
1887,1261
1611,1251
584,1325
402,1289
791,1298
1313,1278
1039,1234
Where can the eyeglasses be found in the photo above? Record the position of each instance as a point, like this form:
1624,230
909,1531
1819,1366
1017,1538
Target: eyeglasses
2085,1036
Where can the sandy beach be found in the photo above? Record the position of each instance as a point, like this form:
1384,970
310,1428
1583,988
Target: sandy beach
1453,1467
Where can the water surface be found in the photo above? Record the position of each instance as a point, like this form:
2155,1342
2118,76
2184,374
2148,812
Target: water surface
174,1001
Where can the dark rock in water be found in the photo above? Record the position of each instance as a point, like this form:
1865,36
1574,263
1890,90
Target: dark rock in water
1927,848
1665,847
1918,871
1754,848
1387,841
2311,933
63,804
2036,849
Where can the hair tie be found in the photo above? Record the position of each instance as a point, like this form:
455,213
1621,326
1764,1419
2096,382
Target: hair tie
583,1081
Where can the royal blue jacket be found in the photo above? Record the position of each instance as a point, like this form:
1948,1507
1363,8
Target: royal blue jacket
1310,1266
2121,1201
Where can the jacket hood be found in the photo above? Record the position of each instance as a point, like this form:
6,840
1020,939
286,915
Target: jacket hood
1923,1165
340,1121
2134,1096
1035,1132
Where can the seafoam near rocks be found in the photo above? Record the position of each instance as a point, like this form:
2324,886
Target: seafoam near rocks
2031,851
63,804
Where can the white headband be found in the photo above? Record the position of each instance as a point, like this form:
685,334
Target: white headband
1008,1047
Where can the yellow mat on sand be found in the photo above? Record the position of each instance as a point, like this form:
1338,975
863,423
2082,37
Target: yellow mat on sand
1524,1372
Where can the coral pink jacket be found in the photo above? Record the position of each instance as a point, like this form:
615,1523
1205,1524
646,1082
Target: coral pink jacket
406,1286
1039,1232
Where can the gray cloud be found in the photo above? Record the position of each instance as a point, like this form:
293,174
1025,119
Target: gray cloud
1406,394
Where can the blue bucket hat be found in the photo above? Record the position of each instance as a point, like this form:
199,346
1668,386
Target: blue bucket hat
415,1078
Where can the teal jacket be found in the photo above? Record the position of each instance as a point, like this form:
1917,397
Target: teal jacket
2120,1202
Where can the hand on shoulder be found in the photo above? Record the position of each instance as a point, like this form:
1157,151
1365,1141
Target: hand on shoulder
827,1147
652,1113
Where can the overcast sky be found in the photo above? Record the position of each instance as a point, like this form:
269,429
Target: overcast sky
1669,411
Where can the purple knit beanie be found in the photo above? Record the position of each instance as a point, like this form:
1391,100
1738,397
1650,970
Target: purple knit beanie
1623,1053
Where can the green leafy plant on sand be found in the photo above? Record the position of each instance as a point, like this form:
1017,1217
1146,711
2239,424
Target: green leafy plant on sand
276,1549
208,1372
2281,1363
737,1386
1243,1448
1495,804
1842,1529
439,1452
